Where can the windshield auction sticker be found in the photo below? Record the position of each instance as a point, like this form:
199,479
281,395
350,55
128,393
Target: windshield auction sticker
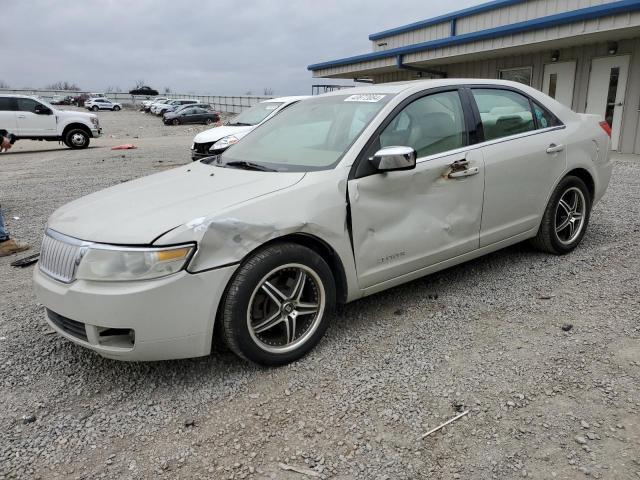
365,97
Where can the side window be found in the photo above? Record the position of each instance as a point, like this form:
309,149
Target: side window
544,118
27,105
6,104
430,125
503,112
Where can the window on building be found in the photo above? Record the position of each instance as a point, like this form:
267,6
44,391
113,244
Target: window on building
503,112
429,125
521,75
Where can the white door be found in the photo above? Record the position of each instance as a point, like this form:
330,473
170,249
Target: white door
8,115
558,81
407,220
607,87
32,124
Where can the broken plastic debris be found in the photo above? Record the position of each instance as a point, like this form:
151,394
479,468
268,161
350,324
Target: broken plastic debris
302,470
445,424
126,146
26,261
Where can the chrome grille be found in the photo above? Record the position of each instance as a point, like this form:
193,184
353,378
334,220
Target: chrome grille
59,256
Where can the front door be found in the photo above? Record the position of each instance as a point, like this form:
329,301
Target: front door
607,87
32,124
407,220
558,81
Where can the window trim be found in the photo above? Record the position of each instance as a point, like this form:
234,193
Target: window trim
358,170
478,119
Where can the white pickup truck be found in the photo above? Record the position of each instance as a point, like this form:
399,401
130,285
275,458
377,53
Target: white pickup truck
32,118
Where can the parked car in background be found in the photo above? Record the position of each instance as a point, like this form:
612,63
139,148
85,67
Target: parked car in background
96,104
61,100
33,118
144,90
146,104
218,139
154,105
172,104
337,197
191,114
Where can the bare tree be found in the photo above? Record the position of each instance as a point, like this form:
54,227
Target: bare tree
139,83
63,86
167,89
268,92
248,93
112,89
4,84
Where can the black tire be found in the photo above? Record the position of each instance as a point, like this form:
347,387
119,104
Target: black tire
243,292
548,239
77,139
175,121
116,108
208,121
95,108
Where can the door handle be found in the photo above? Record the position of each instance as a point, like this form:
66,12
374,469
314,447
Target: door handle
553,148
465,173
21,116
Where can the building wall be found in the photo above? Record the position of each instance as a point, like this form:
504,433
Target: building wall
489,68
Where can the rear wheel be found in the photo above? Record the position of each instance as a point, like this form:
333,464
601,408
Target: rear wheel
76,138
95,108
277,305
208,121
566,217
116,108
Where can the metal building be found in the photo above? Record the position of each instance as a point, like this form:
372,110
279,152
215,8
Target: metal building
584,53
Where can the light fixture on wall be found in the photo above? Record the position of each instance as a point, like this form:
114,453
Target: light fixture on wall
555,55
613,48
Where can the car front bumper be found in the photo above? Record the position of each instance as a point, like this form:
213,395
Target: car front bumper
162,319
96,132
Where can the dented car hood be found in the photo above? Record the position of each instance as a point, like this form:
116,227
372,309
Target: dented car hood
216,133
137,212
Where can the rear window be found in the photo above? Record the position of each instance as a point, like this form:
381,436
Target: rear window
6,104
503,112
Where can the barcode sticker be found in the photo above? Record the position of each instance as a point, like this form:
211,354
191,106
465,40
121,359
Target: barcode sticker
365,97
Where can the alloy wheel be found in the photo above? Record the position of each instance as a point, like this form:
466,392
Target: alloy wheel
286,308
570,215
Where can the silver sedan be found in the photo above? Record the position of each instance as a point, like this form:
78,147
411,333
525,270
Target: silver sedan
338,197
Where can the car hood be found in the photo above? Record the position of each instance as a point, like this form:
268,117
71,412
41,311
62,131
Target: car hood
216,133
138,212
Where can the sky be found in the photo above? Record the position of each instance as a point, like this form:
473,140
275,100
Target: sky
216,47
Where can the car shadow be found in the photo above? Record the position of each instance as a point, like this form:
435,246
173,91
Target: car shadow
22,152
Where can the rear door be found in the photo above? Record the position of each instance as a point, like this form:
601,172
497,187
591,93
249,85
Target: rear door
525,153
31,123
404,221
8,117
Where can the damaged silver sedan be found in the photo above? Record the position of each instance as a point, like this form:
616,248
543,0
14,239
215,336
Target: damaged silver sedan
338,197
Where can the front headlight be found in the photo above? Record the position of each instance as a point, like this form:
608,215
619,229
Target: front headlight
224,142
113,264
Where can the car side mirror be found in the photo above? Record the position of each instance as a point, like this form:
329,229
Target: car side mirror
42,110
389,159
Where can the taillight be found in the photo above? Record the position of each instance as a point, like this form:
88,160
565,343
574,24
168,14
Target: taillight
605,126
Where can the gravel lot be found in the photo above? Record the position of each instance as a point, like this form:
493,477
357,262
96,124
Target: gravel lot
486,336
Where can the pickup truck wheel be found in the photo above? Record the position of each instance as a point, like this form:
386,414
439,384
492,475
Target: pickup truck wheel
566,217
76,139
116,108
95,108
277,306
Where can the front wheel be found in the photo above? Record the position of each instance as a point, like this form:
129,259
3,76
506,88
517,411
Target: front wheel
566,217
208,121
277,305
116,108
76,139
176,121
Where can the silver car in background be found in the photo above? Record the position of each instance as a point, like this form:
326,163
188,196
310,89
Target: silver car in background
338,197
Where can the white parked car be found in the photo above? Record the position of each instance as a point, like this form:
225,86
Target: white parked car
33,118
171,105
96,104
146,104
338,197
218,139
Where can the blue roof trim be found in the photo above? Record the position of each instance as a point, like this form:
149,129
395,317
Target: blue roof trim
588,13
444,18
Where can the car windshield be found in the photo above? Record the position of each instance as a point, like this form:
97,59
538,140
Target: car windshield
255,114
311,135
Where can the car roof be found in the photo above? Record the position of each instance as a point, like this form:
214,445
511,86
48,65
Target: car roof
15,95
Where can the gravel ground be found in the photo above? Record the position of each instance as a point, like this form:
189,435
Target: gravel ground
486,337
